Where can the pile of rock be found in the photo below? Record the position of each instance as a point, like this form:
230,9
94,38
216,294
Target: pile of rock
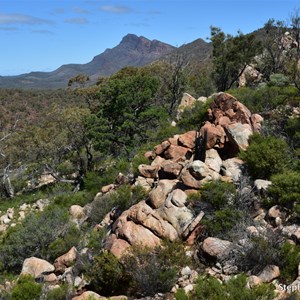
174,173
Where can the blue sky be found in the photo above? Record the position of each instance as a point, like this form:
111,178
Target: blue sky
42,35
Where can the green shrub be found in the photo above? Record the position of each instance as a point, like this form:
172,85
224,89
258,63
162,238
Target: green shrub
95,238
235,289
259,251
266,156
289,262
221,221
151,270
265,97
68,199
219,194
278,79
285,189
26,289
70,238
107,275
193,117
60,293
32,237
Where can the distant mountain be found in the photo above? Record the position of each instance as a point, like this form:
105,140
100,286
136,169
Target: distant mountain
132,51
197,51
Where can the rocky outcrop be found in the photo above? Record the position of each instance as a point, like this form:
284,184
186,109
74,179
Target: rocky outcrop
174,172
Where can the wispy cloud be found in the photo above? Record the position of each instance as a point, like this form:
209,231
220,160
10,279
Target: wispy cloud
9,28
80,10
116,9
46,32
77,21
22,19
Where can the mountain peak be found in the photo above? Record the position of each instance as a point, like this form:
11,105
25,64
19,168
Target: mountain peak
130,37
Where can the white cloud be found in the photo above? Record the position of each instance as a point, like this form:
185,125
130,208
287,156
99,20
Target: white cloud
22,19
47,32
115,9
80,10
77,21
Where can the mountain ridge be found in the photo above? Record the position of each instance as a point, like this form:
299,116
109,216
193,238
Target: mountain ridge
131,51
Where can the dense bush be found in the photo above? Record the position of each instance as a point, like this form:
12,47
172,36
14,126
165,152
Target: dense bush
26,289
193,117
218,200
266,156
154,270
59,293
107,275
285,189
32,237
121,199
289,262
266,97
235,289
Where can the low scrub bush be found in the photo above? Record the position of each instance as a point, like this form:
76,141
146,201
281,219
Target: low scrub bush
285,189
32,237
266,156
107,275
26,289
289,262
235,289
154,270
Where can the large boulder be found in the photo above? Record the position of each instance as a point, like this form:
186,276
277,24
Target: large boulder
196,173
239,134
269,273
158,195
66,260
143,214
188,139
36,267
216,247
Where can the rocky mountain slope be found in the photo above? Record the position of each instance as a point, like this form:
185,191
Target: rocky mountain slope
132,51
178,168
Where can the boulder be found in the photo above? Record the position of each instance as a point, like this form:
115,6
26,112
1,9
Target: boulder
77,212
232,168
188,139
269,273
216,135
158,195
253,281
174,140
148,171
159,149
256,121
143,214
216,247
213,160
239,134
170,170
87,295
145,183
179,198
107,188
36,267
66,260
262,185
134,234
119,247
196,173
178,153
178,217
186,101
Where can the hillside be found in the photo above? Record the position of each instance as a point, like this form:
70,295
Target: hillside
131,51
